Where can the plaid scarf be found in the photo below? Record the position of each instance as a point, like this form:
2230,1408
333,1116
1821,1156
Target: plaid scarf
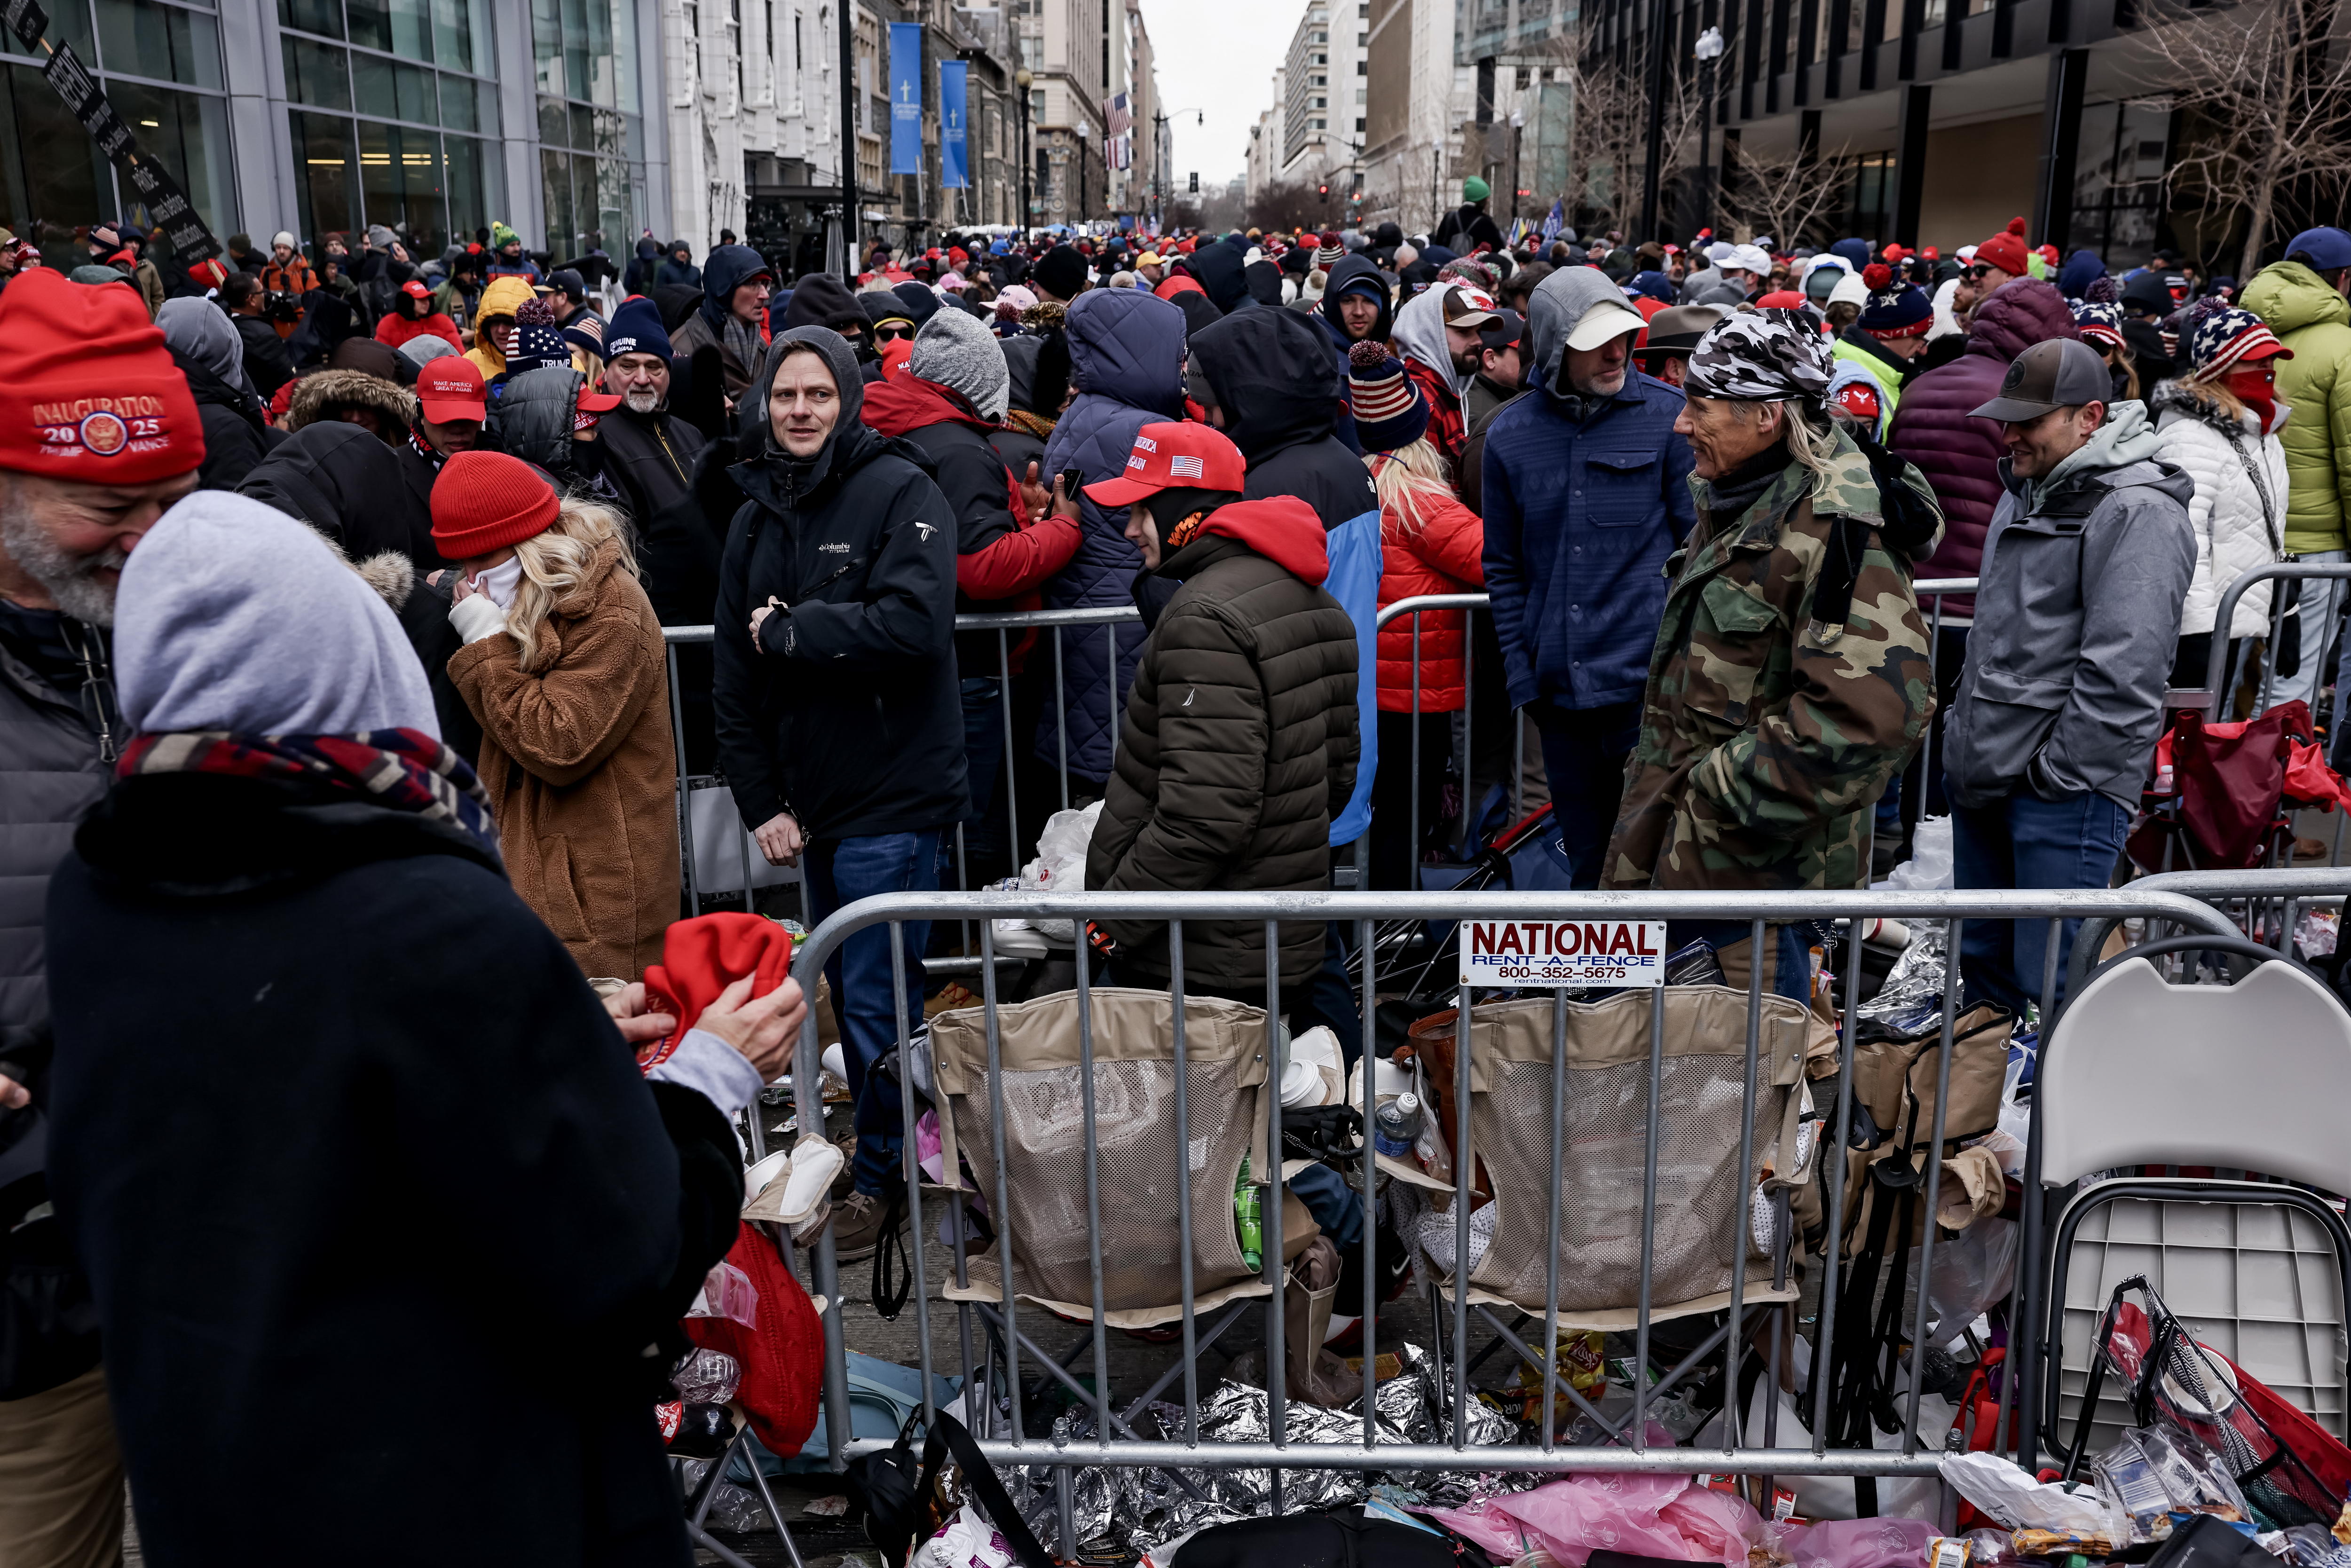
403,769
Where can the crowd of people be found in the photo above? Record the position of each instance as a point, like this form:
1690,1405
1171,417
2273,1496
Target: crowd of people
338,723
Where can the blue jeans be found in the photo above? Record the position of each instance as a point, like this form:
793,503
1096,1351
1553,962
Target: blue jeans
841,872
2026,841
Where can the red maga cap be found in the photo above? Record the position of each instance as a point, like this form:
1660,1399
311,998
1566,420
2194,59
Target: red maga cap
1173,456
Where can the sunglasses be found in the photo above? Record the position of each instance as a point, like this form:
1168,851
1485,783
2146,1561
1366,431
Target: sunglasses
1979,272
891,334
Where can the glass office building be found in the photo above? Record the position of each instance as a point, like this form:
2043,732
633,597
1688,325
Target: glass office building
433,118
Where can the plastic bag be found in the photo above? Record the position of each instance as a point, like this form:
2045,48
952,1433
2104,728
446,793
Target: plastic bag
968,1540
1880,1542
735,1510
1061,863
1929,864
1572,1519
1972,1270
1831,1497
727,1292
2150,1474
2005,1494
706,1377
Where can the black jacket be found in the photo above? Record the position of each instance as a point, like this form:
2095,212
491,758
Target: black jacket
268,363
236,436
652,460
347,483
977,485
1270,373
397,1171
1467,227
848,713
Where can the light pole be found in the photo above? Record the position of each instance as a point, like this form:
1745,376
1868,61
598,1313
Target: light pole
1708,50
1160,155
849,259
1022,78
1650,185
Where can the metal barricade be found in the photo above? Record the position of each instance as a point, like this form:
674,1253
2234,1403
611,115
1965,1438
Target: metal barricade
1006,626
1106,1432
2220,671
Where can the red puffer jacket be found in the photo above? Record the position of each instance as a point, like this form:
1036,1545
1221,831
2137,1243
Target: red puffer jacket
1959,455
1443,554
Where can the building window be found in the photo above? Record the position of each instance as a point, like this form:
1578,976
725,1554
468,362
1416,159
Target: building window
592,139
161,68
2118,180
412,73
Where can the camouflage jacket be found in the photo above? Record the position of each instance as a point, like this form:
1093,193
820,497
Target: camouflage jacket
1767,738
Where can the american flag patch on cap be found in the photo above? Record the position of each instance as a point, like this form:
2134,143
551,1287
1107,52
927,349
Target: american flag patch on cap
1182,467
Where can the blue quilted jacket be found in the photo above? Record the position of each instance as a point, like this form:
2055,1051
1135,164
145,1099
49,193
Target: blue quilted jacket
1126,359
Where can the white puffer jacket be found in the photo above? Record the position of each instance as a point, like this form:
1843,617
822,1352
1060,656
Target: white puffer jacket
2237,528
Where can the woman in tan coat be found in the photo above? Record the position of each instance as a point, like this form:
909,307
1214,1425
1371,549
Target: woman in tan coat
562,664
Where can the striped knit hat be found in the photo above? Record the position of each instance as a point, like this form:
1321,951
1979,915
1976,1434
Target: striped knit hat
2100,322
1330,253
1389,410
2220,339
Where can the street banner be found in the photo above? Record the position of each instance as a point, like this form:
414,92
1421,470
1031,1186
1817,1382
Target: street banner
905,98
954,163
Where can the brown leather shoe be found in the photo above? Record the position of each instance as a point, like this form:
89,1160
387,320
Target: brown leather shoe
857,1227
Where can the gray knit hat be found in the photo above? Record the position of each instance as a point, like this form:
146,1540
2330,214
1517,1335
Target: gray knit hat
955,351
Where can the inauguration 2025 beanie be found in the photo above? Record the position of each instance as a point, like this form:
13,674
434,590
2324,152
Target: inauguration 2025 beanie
93,394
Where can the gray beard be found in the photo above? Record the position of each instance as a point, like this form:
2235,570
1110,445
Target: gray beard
70,580
642,400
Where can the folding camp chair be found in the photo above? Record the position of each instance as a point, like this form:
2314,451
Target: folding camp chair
2248,1077
1635,1103
1104,1175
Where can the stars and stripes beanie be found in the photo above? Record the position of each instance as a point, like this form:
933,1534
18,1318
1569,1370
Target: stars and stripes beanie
1389,410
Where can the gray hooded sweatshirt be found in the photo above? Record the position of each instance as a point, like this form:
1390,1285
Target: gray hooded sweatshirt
2076,622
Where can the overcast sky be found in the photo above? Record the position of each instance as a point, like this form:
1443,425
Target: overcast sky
1216,56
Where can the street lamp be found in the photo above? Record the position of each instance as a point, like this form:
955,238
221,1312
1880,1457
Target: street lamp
1023,79
1708,50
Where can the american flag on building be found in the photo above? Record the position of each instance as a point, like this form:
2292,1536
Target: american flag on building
1118,132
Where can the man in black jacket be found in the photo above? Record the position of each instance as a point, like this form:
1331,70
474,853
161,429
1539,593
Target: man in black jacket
266,363
839,717
1467,226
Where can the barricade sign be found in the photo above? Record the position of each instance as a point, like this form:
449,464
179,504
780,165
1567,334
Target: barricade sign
1515,953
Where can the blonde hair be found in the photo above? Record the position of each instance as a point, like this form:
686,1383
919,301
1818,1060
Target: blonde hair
1406,478
554,565
1812,444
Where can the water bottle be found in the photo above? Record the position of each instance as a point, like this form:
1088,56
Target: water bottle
1396,1126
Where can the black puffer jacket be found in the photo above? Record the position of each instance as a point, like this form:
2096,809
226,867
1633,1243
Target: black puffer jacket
847,713
1238,750
1280,397
352,487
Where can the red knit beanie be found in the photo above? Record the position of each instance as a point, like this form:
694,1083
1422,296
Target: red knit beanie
93,394
700,957
2006,250
485,501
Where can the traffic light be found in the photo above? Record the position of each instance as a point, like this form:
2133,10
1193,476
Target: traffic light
1324,188
1196,182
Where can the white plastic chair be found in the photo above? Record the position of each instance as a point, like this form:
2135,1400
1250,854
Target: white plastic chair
2252,1077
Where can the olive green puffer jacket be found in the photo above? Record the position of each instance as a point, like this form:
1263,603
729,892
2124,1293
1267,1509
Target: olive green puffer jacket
1239,748
2315,322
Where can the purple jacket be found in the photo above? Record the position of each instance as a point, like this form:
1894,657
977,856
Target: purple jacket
1960,455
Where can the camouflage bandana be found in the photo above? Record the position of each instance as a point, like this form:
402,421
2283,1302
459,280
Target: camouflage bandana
1762,356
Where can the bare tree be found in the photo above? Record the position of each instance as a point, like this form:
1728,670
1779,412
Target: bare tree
1783,197
1291,204
1608,146
2270,86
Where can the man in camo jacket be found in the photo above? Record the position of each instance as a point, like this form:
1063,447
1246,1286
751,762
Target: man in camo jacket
1789,681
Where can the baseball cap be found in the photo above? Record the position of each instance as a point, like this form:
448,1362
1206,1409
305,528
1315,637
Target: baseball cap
415,290
1604,321
1507,329
1148,258
1468,307
1171,454
1752,258
451,388
592,404
2062,372
2329,247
